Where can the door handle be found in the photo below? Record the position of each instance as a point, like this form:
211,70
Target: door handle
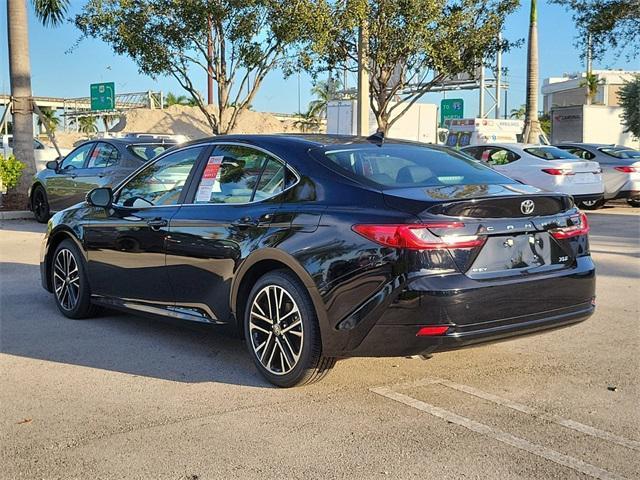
157,223
245,222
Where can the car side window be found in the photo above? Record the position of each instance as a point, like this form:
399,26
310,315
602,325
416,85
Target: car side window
104,155
232,174
161,182
501,156
76,158
37,145
579,152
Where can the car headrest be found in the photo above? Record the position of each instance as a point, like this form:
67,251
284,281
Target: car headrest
413,174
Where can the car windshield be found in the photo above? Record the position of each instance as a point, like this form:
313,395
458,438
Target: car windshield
621,153
396,165
148,151
551,153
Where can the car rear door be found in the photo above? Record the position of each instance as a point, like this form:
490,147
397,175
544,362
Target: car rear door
229,208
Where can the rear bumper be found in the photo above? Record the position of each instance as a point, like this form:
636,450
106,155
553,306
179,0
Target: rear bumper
479,311
588,197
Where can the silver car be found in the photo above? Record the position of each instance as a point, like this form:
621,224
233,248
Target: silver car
95,163
620,169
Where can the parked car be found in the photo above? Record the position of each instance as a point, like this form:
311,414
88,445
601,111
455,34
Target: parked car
94,163
545,167
41,152
324,247
620,168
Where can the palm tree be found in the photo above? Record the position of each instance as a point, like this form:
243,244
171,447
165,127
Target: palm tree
50,117
87,124
308,122
518,113
532,130
173,99
324,91
49,12
591,82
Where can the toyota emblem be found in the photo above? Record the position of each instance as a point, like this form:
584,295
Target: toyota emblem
527,207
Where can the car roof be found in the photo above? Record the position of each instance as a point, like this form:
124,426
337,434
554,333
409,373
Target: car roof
302,140
515,146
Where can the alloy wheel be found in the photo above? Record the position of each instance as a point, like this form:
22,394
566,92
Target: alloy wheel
66,279
39,203
276,330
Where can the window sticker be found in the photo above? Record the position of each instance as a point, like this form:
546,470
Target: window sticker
209,182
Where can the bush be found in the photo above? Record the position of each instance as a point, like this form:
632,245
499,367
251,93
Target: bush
10,171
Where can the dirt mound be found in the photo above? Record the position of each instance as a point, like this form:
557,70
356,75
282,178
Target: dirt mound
190,121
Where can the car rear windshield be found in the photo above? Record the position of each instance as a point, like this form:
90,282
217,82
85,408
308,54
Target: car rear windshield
621,153
148,151
396,165
551,153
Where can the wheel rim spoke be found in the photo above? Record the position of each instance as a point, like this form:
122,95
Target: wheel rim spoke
66,279
276,330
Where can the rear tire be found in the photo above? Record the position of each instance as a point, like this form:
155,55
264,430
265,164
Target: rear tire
634,202
69,282
592,204
40,205
282,332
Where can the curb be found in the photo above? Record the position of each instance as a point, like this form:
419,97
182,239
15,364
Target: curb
16,215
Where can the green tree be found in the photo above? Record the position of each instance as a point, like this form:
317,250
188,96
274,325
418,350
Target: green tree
591,83
170,37
308,122
324,92
519,112
87,124
50,117
612,24
49,12
412,45
629,96
172,99
532,130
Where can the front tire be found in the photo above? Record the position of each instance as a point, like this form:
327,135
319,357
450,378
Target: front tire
634,202
282,332
40,205
69,281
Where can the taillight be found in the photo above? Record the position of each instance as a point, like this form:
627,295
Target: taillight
627,169
419,236
557,171
581,227
432,330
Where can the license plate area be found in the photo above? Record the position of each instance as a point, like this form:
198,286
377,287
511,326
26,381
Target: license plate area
519,254
584,178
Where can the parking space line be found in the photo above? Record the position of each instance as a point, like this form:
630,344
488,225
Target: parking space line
580,427
499,435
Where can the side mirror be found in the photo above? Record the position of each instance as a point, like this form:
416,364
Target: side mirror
52,165
100,197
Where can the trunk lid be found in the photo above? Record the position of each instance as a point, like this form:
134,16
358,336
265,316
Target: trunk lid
513,219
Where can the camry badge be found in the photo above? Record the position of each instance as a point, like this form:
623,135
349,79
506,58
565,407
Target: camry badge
527,207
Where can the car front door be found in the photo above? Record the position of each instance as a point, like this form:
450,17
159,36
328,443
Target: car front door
99,168
232,204
126,243
62,189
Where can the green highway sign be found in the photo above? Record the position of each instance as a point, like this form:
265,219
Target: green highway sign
103,96
451,108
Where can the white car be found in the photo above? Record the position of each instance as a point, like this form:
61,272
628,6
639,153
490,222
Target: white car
545,167
42,153
620,168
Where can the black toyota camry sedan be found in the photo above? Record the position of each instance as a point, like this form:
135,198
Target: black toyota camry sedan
322,247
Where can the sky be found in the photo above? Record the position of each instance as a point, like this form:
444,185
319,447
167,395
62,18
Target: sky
60,71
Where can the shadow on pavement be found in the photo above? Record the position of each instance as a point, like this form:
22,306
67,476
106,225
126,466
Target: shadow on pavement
23,226
31,326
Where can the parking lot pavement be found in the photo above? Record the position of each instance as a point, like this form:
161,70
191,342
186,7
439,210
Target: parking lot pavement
121,396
